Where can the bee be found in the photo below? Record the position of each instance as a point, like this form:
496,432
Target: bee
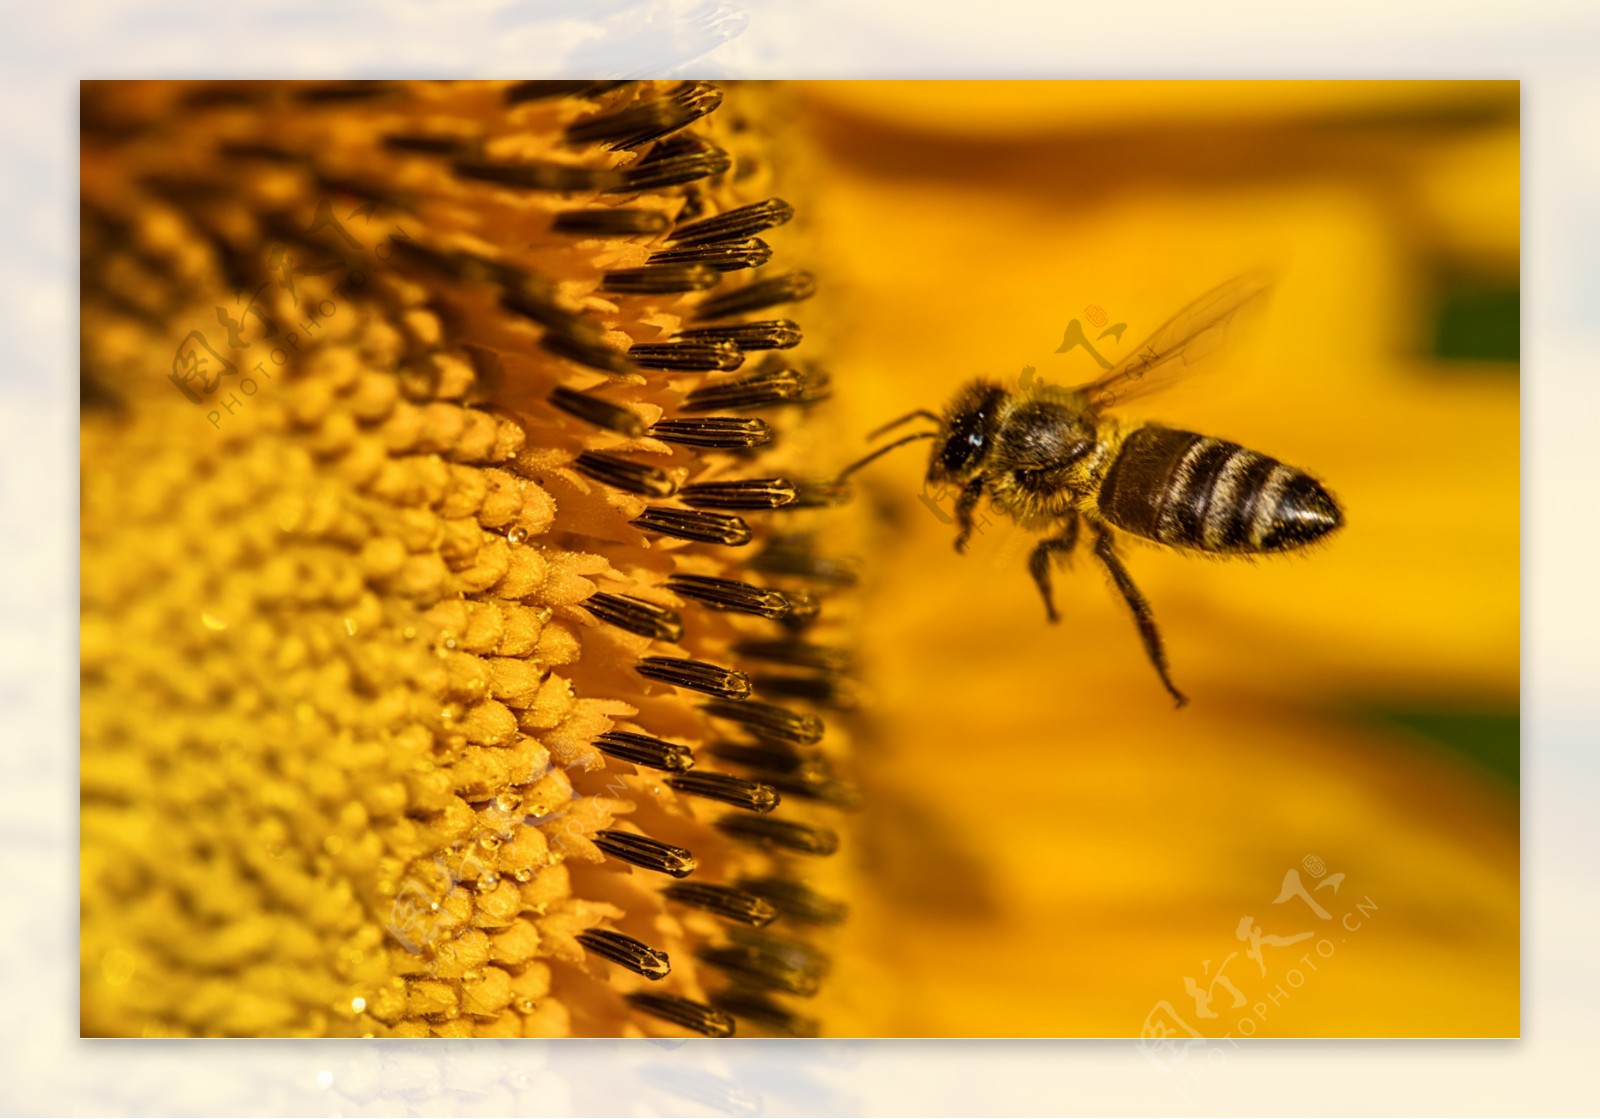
1053,459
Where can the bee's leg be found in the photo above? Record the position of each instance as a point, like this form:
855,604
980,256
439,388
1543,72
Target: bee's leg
1039,562
1141,611
965,504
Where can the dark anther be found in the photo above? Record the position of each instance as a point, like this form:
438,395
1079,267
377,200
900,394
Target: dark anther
791,287
764,965
636,616
734,225
724,901
641,850
816,780
824,691
770,832
728,594
541,307
794,555
695,676
624,474
660,279
756,1008
609,223
797,901
768,720
769,757
774,334
687,357
586,349
680,1011
641,749
716,432
797,654
648,120
601,413
763,390
728,789
690,524
635,955
724,256
673,163
746,493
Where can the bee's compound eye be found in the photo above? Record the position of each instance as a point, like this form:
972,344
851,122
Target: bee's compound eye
965,444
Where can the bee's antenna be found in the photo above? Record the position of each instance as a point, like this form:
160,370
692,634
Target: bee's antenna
904,419
881,451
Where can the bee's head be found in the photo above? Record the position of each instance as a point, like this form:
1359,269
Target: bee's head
963,436
967,432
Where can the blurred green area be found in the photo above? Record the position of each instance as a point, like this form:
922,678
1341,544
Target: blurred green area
1476,326
1489,739
1479,321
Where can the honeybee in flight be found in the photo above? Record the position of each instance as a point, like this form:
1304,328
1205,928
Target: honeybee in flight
1051,458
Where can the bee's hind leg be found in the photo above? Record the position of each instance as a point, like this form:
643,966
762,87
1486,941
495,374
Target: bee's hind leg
1039,562
1141,611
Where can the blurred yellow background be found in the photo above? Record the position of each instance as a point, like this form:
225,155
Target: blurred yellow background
1053,850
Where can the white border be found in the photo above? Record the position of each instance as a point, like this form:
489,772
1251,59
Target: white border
44,1069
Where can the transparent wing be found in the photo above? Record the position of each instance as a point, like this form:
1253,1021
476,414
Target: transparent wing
1193,333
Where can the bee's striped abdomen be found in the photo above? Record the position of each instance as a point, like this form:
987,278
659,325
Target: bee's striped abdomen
1192,491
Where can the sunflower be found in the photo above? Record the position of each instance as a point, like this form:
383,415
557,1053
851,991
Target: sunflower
454,625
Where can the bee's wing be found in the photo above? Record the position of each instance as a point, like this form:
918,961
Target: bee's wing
1185,338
